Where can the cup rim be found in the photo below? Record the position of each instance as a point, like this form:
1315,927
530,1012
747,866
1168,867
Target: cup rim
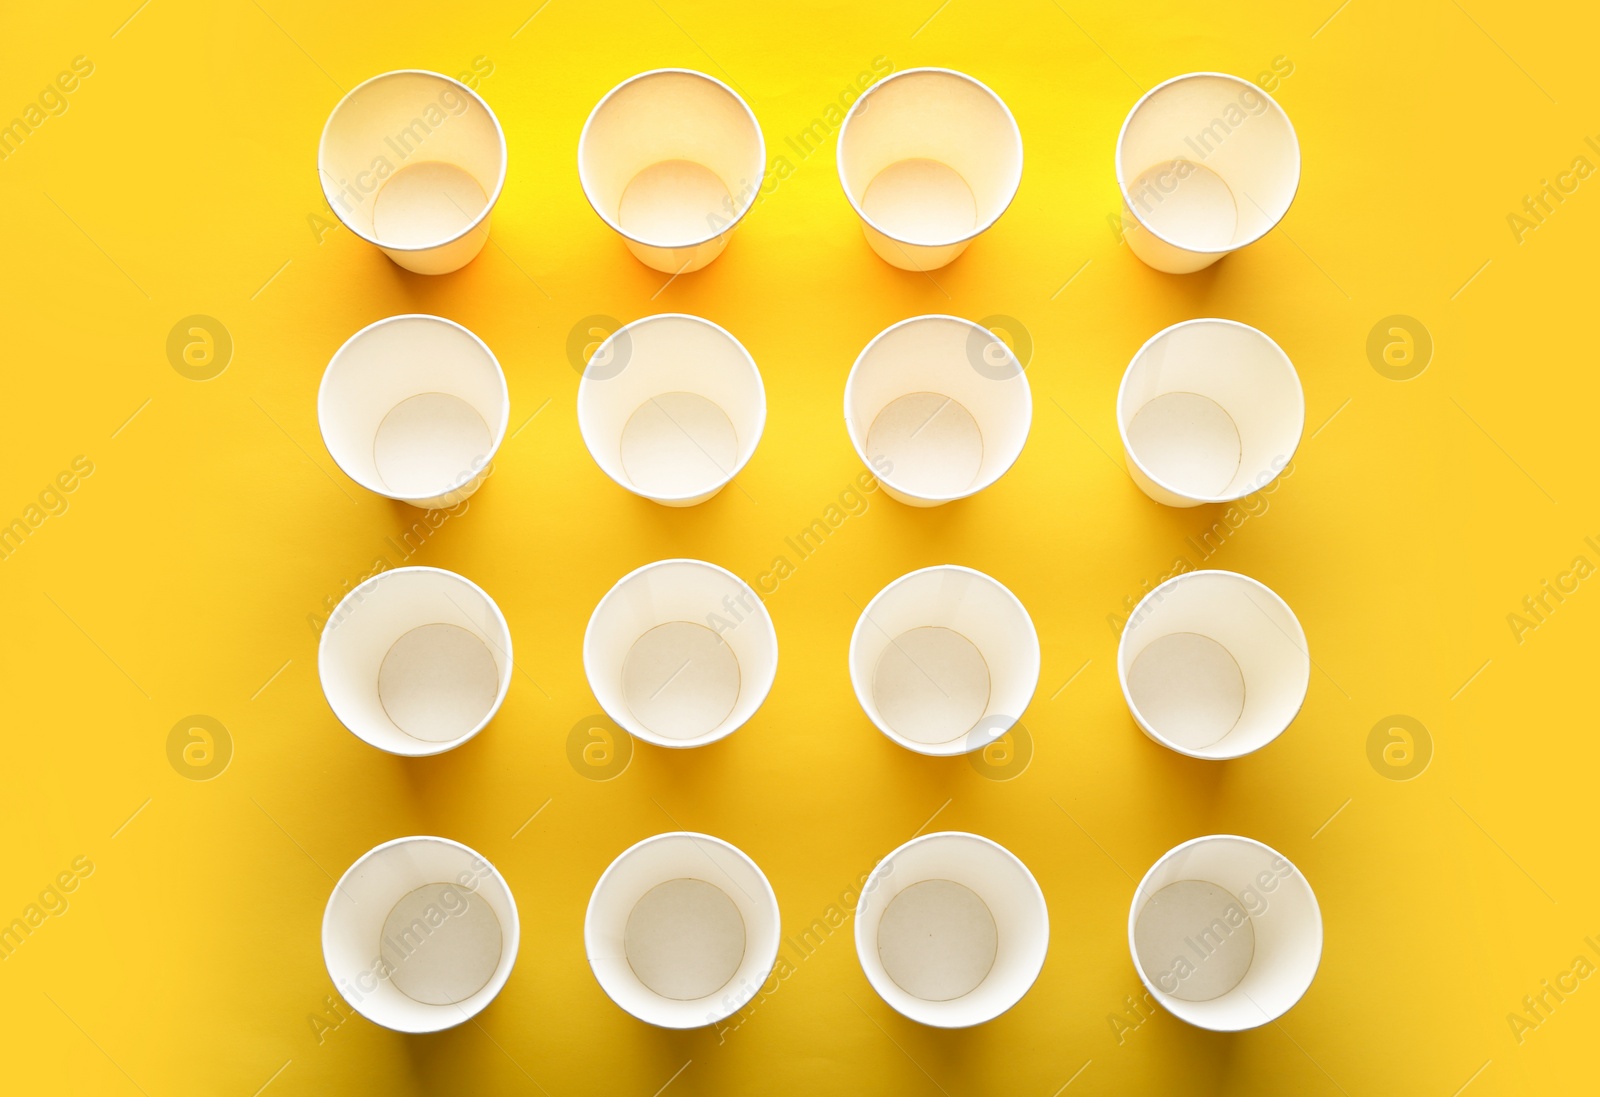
755,438
1122,184
739,213
860,443
489,205
427,749
497,431
1176,1006
1123,424
1205,754
838,154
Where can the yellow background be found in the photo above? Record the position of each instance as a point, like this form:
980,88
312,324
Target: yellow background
181,179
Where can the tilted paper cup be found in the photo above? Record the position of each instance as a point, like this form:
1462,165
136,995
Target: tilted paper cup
1225,933
415,660
680,653
1213,664
682,930
929,159
413,162
672,159
414,407
944,660
420,934
1207,163
952,929
938,407
1209,412
671,407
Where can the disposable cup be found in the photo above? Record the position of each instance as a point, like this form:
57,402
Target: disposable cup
1207,163
671,407
414,407
1209,411
938,407
420,934
952,929
682,930
929,159
680,653
1213,664
944,660
672,159
1225,933
413,162
415,660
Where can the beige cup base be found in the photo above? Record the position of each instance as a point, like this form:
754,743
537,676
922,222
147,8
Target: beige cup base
442,944
680,680
673,203
937,940
422,204
922,202
427,441
931,685
932,443
676,444
1189,687
438,682
1195,939
1188,441
684,939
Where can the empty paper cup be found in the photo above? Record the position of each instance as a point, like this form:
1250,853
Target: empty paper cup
1207,163
420,934
682,930
1213,664
672,159
938,407
671,407
415,661
944,660
414,408
1225,933
680,653
1209,411
413,162
951,929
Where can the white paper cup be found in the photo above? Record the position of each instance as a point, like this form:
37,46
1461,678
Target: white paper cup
416,660
929,159
1213,664
1225,932
938,407
1209,412
1207,163
682,930
671,407
944,660
951,929
672,159
680,653
413,162
414,407
420,934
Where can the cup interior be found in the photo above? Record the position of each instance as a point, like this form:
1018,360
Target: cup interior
951,929
412,160
415,660
1213,664
930,157
1208,162
1225,932
1211,410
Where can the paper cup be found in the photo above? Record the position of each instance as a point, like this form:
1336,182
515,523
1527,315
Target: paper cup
951,929
1213,664
1207,163
682,930
672,159
1209,411
420,934
414,407
929,159
944,660
680,653
416,660
938,407
1225,933
671,407
413,162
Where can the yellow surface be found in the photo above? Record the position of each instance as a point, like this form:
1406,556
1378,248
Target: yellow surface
178,580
